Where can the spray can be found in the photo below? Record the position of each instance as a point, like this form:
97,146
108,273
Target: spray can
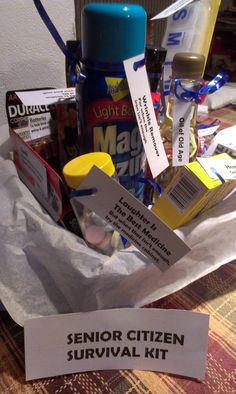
110,34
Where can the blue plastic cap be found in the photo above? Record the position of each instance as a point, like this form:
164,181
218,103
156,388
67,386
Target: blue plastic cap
112,32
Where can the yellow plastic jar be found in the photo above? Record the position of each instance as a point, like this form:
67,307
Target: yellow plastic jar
96,232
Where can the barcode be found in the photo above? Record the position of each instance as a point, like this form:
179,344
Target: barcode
184,192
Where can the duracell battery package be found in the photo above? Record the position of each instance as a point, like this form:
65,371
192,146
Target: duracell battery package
38,129
36,125
51,130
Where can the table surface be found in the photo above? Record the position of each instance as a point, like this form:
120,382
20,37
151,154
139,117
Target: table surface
213,294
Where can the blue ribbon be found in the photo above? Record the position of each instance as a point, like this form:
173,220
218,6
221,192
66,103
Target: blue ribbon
218,175
83,192
52,29
146,181
215,84
139,64
184,94
125,242
153,184
189,95
206,126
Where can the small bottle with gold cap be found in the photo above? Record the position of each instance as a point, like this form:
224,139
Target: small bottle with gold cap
96,232
187,71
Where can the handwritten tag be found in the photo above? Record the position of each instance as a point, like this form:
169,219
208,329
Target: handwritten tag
145,339
178,5
132,219
181,130
46,97
145,115
226,169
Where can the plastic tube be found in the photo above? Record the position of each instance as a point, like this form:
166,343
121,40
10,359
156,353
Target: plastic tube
189,30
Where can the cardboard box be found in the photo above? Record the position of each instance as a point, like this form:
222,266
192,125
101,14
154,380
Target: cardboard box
190,193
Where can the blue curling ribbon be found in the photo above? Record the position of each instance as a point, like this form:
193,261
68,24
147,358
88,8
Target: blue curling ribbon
83,192
125,242
189,95
128,179
218,175
52,29
215,84
150,182
146,181
206,126
184,94
139,64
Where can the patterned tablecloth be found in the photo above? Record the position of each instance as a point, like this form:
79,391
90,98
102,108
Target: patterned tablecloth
214,294
226,116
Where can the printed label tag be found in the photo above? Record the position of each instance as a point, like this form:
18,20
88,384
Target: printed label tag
130,338
225,168
207,131
172,9
225,137
145,115
46,97
132,219
181,131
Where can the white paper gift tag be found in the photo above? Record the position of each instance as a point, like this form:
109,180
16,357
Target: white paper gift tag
46,96
217,168
181,130
145,115
147,339
132,219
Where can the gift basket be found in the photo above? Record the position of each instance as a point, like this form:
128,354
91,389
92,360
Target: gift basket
111,200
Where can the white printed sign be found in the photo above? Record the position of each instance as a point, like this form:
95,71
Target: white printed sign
178,5
46,97
132,219
225,168
181,130
145,339
145,115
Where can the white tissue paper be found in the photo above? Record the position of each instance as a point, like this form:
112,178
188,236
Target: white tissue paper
220,98
46,270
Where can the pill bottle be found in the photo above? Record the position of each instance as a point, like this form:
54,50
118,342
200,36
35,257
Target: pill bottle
96,232
111,33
